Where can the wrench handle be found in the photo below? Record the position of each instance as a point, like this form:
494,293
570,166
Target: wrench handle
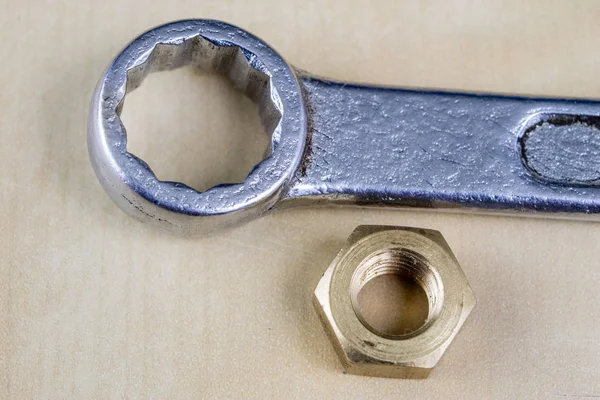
347,144
431,149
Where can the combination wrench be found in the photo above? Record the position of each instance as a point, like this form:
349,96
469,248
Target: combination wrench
340,143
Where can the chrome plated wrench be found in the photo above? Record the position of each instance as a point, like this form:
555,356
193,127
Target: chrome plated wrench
340,143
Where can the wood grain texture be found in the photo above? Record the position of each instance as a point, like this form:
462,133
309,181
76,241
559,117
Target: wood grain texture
95,305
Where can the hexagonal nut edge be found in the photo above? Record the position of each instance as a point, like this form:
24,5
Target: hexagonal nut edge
424,253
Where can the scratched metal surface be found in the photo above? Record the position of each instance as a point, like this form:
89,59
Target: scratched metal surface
342,143
568,153
94,305
435,149
174,206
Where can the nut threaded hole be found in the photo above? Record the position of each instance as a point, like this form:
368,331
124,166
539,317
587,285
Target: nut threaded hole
396,293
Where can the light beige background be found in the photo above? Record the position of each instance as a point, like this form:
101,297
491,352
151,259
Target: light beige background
96,305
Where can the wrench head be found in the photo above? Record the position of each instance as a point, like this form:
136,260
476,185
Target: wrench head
254,68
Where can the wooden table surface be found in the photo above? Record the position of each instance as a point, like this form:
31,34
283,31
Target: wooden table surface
94,305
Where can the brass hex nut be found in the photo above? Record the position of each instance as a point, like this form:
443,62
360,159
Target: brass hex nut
373,251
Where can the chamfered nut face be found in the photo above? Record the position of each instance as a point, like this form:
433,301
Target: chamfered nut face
420,255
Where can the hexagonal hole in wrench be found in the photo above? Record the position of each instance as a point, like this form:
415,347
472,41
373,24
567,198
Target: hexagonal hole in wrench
230,145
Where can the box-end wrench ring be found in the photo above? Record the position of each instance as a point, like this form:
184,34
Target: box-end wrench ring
339,143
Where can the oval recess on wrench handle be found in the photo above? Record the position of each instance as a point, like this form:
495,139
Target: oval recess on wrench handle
340,143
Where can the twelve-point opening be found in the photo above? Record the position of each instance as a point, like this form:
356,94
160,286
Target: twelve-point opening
223,136
396,294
